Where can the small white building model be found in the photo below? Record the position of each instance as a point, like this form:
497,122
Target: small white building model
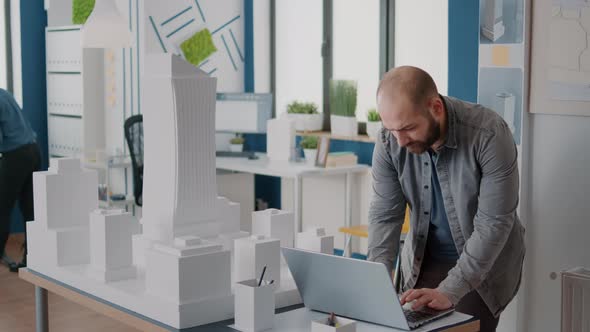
178,268
252,254
111,257
280,139
276,224
64,196
315,239
493,22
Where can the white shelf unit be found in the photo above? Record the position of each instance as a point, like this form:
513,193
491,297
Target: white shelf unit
75,94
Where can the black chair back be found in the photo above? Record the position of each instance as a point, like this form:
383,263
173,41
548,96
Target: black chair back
134,137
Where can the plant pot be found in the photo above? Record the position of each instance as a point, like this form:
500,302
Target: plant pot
344,125
236,147
373,128
310,155
307,122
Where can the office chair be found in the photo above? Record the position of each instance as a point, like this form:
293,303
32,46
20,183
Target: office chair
134,137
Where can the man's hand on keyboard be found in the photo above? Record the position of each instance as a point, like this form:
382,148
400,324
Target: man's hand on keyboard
426,297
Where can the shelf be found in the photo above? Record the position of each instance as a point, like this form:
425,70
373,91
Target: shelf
122,203
92,164
358,138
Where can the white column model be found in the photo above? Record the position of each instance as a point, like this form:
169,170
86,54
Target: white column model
505,102
493,24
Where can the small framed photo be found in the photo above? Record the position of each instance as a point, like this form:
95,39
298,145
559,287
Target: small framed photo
323,149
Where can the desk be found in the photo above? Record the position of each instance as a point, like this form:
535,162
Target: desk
295,171
363,231
142,323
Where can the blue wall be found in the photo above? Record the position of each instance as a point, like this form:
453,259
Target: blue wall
33,23
463,49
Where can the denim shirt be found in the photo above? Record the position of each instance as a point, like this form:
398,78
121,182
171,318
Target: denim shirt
478,175
15,131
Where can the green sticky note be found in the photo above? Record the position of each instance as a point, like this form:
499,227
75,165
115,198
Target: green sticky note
198,47
81,9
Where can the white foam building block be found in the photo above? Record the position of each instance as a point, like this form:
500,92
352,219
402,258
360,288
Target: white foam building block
111,256
276,224
65,194
227,239
63,197
189,270
315,239
229,215
49,249
280,138
252,254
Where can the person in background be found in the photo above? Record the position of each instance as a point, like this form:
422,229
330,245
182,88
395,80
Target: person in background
455,164
19,158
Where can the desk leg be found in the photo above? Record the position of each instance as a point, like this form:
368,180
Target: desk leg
348,209
41,318
297,196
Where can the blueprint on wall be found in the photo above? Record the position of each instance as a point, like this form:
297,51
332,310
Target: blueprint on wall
569,58
202,32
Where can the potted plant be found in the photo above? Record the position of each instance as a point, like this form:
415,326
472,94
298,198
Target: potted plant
373,123
236,144
309,144
306,116
343,108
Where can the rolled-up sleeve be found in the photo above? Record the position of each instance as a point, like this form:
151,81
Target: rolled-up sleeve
387,208
495,217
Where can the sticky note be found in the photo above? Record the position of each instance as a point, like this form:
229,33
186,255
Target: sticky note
500,55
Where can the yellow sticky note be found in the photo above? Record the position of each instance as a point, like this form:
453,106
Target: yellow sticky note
500,55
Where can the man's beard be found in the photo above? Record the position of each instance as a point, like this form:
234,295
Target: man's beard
419,147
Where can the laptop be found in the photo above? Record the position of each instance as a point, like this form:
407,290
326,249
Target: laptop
352,288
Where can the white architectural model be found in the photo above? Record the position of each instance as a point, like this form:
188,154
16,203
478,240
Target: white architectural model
252,254
60,234
493,23
111,257
504,104
280,139
276,224
315,239
177,269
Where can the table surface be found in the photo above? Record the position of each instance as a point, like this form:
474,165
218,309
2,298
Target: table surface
147,324
264,166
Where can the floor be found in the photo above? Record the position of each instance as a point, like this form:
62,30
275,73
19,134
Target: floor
17,305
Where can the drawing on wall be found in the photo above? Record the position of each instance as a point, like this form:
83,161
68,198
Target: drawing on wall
560,57
501,21
569,58
500,89
203,34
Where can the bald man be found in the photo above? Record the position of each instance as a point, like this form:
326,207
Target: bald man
455,164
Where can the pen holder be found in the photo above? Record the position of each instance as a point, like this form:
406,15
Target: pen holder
254,306
342,325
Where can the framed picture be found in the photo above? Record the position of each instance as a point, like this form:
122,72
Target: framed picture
323,149
560,58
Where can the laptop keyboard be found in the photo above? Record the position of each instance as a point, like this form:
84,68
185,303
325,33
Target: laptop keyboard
424,315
